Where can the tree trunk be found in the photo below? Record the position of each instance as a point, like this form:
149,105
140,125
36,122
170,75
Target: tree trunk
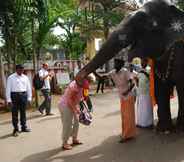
2,79
14,52
38,57
34,60
7,42
9,53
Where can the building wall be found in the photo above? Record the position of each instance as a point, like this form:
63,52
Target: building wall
91,51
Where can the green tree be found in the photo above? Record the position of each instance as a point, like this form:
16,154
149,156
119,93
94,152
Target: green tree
101,16
42,22
69,21
180,4
51,41
14,23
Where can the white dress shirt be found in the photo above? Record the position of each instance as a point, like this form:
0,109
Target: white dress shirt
18,83
43,73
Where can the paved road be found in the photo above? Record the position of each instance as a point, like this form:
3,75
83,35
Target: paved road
43,144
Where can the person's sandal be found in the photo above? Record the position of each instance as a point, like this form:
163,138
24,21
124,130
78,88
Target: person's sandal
124,140
66,147
76,142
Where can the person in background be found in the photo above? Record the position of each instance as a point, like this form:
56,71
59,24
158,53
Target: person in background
144,110
123,81
46,90
86,61
77,68
101,81
69,109
18,94
133,75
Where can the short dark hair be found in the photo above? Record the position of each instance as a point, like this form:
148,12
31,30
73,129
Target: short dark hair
19,66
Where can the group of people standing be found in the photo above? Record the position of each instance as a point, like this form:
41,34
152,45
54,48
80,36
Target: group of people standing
132,87
19,94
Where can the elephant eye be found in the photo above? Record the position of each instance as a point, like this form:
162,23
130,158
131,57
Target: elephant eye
122,37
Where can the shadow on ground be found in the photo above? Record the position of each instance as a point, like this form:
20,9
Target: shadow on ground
28,118
6,136
148,147
48,119
112,114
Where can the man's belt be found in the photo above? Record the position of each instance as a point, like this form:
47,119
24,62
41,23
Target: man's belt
18,93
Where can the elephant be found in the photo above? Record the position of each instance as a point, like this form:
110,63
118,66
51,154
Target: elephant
155,31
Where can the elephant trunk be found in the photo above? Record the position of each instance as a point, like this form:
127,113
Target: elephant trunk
115,43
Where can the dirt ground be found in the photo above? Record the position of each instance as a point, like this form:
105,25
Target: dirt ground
100,139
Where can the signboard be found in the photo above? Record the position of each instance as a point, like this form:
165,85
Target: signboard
63,78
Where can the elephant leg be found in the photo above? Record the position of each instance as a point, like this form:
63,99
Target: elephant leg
180,118
162,94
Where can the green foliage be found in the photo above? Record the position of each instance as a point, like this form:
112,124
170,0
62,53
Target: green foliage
69,21
15,21
73,45
25,23
51,41
180,4
100,17
17,17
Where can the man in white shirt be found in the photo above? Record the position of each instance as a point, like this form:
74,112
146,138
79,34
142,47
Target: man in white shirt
18,94
46,76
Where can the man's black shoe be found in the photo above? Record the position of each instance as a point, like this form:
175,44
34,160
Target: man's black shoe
26,130
50,114
15,133
41,111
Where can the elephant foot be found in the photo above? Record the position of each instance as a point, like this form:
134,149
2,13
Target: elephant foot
180,125
179,128
163,129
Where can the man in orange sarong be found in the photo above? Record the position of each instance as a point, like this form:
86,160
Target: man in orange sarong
123,81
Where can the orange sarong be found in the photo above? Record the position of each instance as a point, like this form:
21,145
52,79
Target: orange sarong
152,84
128,117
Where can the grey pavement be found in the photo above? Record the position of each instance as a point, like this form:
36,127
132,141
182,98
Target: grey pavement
100,139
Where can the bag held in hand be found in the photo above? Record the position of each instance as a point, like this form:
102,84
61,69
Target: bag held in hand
85,117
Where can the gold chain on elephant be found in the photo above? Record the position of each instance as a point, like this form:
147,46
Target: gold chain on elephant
165,76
